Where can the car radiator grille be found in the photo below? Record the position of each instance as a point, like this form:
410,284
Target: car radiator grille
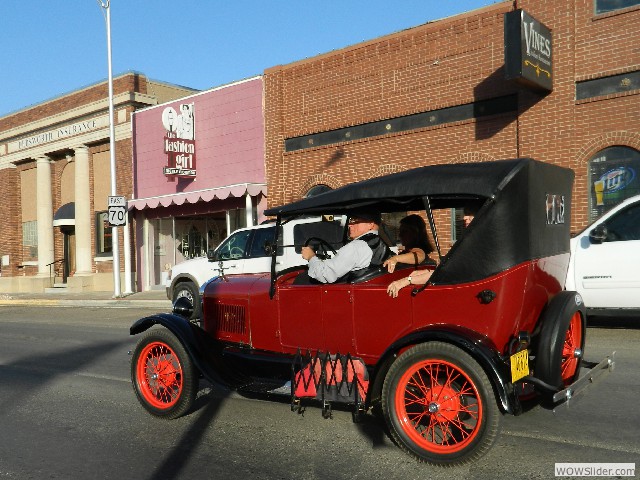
230,318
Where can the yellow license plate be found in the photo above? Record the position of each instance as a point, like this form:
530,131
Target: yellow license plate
519,365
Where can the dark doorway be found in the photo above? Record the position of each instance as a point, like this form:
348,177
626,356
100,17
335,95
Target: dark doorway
69,251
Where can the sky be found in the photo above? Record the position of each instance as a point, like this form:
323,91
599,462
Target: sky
50,48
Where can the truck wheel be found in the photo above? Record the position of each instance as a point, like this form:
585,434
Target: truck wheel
189,291
439,405
163,375
561,342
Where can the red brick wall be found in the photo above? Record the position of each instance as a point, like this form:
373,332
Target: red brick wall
607,44
447,63
424,68
124,186
129,82
11,229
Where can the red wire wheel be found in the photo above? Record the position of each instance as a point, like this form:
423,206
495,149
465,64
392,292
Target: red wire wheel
572,349
163,375
439,404
560,345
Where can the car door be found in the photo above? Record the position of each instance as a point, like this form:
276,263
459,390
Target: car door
300,317
258,259
230,254
337,318
607,274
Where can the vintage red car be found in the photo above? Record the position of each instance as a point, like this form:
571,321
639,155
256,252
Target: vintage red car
443,362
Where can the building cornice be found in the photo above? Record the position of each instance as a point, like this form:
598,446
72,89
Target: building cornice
77,114
122,132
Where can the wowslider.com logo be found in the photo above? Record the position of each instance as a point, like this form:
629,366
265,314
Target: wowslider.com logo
595,469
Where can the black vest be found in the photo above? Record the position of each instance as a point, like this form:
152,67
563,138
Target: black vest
379,249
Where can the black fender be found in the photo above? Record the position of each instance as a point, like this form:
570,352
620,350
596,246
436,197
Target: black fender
204,351
480,348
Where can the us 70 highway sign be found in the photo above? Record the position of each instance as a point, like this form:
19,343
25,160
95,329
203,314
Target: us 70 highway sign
117,211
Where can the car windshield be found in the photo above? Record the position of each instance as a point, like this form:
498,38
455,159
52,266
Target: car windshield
234,247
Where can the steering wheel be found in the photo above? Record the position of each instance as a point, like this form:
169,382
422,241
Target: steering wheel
613,236
321,246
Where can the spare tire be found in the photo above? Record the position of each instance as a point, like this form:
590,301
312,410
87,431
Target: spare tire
561,340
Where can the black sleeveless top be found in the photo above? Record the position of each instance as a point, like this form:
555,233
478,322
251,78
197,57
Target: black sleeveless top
379,249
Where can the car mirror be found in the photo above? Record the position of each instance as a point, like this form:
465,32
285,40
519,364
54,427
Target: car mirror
599,234
212,256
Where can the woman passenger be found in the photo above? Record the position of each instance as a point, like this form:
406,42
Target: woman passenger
415,243
420,277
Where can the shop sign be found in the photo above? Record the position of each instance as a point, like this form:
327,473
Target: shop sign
59,133
609,186
528,51
613,174
179,141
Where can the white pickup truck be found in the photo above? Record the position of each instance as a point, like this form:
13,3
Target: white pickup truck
605,262
247,250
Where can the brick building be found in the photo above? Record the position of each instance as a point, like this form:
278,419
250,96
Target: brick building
438,93
55,178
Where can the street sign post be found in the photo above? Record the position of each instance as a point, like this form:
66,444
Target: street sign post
117,211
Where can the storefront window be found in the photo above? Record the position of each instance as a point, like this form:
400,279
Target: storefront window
238,218
191,237
604,6
195,236
173,240
103,234
30,241
317,190
613,177
162,246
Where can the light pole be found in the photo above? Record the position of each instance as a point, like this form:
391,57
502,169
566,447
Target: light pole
106,6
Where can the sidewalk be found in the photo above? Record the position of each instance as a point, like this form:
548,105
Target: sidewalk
156,299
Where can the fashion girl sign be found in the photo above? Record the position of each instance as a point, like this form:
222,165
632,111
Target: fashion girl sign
179,141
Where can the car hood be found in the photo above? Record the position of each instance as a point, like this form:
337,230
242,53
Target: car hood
188,264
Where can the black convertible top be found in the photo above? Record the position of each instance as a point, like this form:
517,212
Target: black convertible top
525,214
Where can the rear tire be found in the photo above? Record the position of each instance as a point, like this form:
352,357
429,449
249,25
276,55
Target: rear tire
163,376
439,405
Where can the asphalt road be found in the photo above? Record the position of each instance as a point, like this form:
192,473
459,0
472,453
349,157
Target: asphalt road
68,412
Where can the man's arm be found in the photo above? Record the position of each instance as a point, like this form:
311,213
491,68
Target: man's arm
353,256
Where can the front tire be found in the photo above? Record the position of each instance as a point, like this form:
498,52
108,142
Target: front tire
439,405
163,376
190,292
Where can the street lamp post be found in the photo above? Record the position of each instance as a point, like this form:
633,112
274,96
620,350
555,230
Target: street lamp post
106,6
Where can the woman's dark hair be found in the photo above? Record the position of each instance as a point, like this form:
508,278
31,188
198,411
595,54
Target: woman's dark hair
417,225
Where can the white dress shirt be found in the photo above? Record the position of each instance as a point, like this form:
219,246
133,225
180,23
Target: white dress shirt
353,256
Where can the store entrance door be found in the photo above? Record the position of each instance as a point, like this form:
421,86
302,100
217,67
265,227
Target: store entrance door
69,252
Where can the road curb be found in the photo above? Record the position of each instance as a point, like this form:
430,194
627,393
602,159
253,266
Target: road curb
162,305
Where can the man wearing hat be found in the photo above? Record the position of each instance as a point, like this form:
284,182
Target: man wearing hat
366,249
